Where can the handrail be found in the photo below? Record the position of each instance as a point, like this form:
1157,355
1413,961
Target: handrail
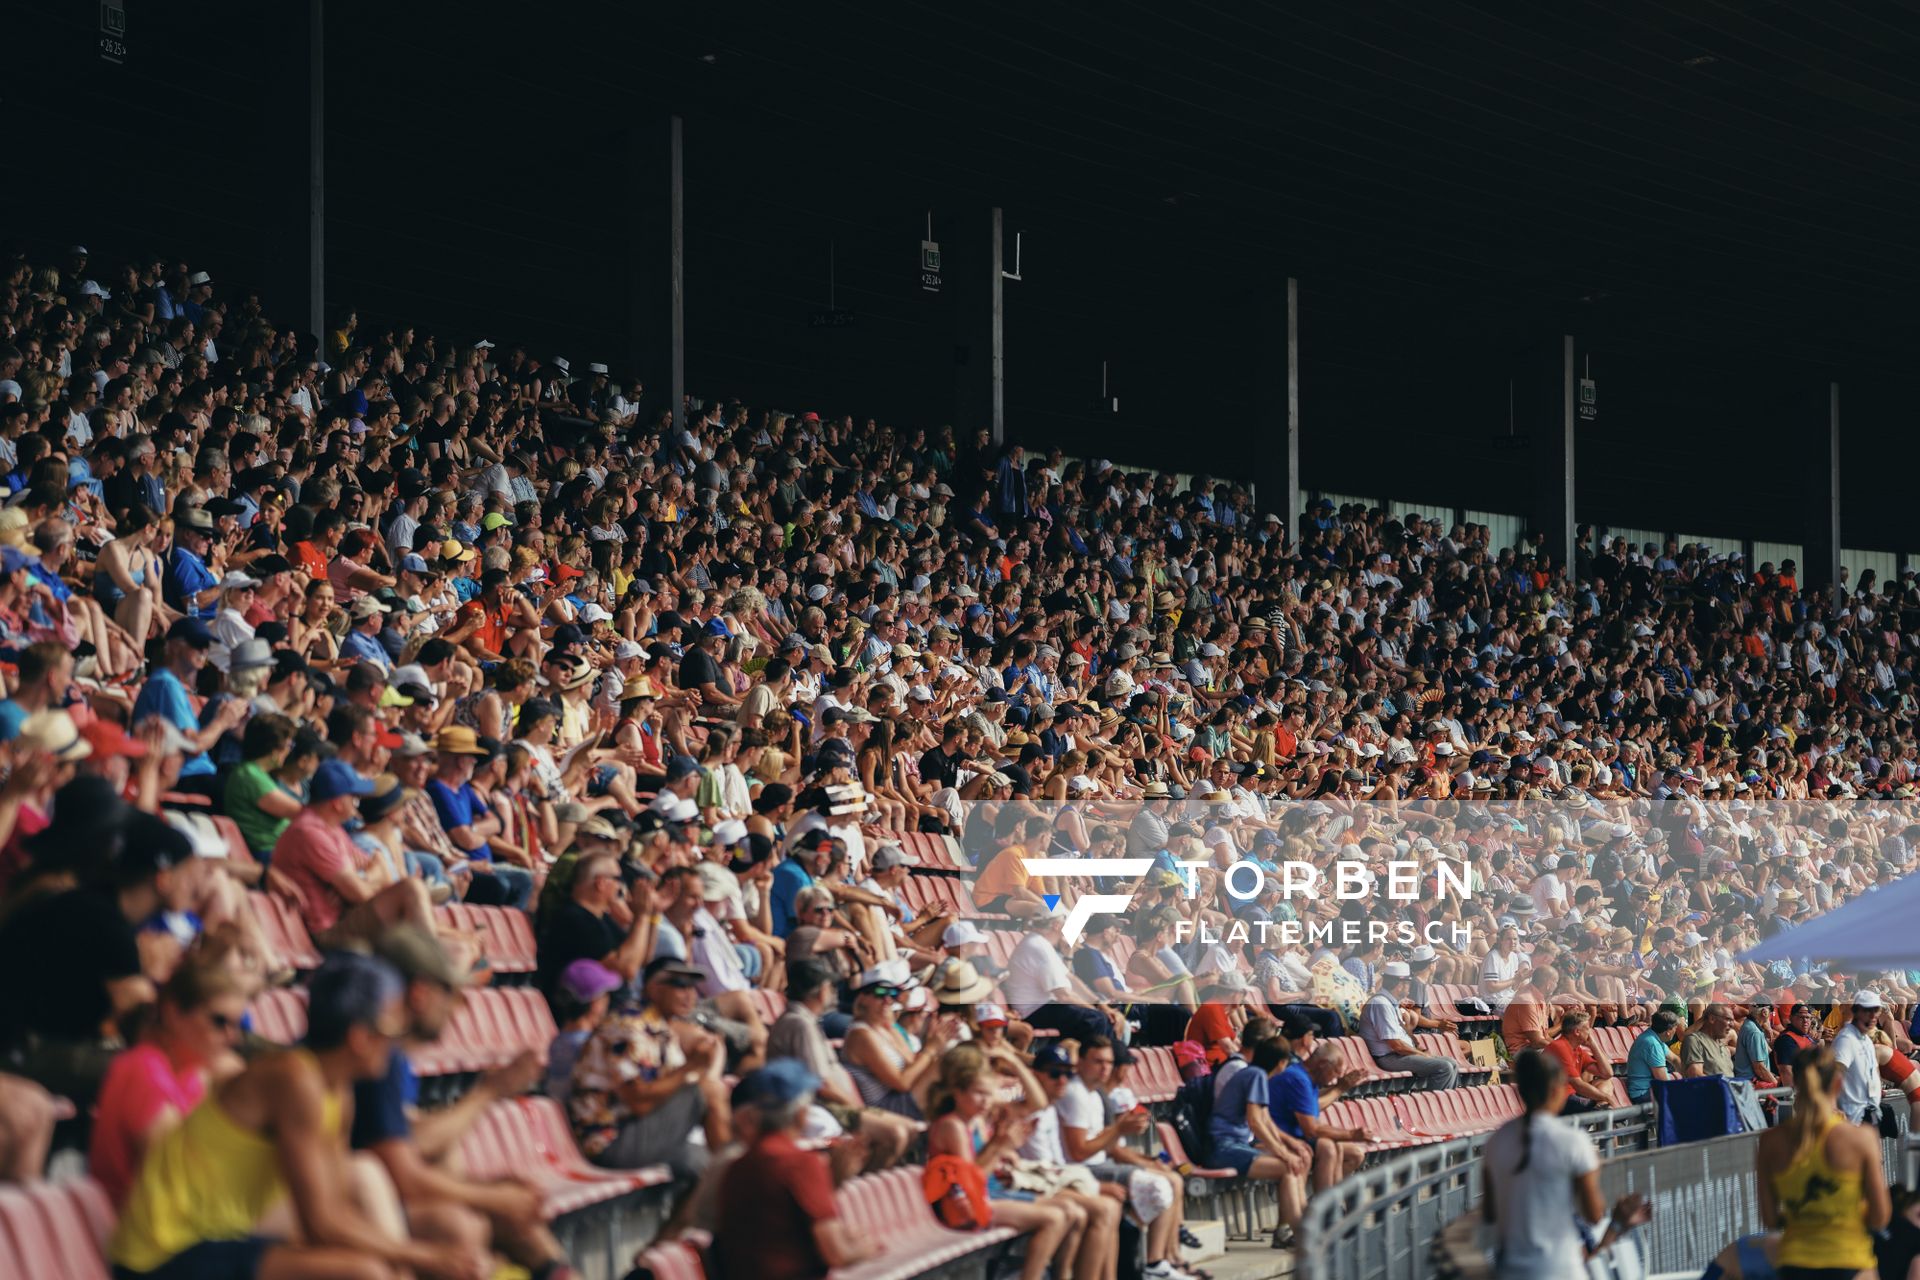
1382,1221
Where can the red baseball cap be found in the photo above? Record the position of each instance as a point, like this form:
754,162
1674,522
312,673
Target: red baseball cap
109,739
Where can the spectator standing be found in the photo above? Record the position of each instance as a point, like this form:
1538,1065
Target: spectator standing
1752,1058
1542,1184
1858,1095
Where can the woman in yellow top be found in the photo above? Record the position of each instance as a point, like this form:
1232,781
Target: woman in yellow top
1820,1181
278,1131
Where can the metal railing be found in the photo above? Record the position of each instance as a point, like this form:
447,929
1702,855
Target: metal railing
1382,1223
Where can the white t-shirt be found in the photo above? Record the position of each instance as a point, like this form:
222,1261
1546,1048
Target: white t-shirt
1081,1108
1043,1142
1034,973
1498,968
1535,1215
1546,891
1859,1072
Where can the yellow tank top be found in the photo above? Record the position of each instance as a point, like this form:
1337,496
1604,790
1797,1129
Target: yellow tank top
205,1179
1823,1212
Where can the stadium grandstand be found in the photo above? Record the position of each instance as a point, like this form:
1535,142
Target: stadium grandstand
1083,643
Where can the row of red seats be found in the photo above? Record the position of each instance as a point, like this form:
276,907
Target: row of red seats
528,1138
934,852
491,1027
929,894
1409,1119
890,1207
506,935
56,1230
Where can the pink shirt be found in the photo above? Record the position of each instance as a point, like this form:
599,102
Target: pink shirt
140,1084
309,851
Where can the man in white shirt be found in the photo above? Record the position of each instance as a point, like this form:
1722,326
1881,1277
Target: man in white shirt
1853,1052
1044,992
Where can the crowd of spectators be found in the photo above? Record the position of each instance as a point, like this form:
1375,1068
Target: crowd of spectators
438,622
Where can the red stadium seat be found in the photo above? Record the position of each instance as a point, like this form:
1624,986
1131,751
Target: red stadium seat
1177,1153
891,1208
80,1250
27,1247
287,933
280,1016
672,1260
1442,1044
532,1021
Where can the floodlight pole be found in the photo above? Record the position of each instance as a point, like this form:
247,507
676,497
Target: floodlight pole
317,169
1276,455
998,341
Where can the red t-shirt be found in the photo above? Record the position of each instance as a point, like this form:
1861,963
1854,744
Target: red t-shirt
140,1084
309,851
1210,1025
769,1201
1577,1061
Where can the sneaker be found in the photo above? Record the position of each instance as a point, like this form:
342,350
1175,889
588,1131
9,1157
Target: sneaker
1283,1237
1164,1270
1188,1240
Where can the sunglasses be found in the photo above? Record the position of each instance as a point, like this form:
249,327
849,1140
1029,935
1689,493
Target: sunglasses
884,991
221,1022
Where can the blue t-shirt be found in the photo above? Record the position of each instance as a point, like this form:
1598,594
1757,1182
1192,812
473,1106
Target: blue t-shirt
459,809
789,878
1648,1052
1247,1088
164,696
12,716
187,575
365,648
380,1106
1290,1095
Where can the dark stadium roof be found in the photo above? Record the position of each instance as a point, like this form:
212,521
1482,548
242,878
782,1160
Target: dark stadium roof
1716,172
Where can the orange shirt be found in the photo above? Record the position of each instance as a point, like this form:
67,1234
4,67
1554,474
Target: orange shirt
1005,875
492,632
310,558
1525,1020
1210,1025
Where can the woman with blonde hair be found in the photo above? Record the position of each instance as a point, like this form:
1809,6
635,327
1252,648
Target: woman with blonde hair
1820,1181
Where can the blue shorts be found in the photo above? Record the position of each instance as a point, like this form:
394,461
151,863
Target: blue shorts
749,958
1237,1156
602,778
208,1260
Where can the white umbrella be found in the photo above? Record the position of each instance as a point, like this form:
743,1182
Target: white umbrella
1875,931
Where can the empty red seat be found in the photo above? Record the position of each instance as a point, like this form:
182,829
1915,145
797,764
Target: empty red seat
671,1260
280,1016
892,1209
27,1247
565,1188
533,1024
80,1251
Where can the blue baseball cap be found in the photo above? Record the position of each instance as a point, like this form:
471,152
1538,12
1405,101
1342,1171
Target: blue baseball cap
1051,1057
413,564
774,1085
13,559
337,778
681,766
193,631
716,627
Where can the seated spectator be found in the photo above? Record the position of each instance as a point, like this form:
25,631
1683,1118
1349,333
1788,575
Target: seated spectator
588,924
1389,1041
1094,1130
1651,1057
276,1132
1245,1139
648,1076
61,1030
778,1219
188,1044
469,822
1589,1078
796,1035
1298,1095
1752,1056
257,801
442,1204
165,695
1705,1050
344,896
891,1073
1043,990
1531,1018
581,1000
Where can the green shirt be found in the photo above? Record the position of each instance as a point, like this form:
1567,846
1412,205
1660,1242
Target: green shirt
245,786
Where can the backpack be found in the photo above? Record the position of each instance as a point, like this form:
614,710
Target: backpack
957,1190
1192,1118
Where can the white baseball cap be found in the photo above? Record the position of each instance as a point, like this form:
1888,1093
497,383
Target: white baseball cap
961,932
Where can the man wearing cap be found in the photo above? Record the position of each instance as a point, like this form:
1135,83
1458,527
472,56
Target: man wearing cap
441,1204
649,1075
192,581
1389,1041
366,616
796,1036
1853,1051
165,696
342,895
700,669
1147,834
469,822
778,1216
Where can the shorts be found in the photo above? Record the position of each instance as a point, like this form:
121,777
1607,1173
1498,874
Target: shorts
749,959
601,778
208,1260
1237,1156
